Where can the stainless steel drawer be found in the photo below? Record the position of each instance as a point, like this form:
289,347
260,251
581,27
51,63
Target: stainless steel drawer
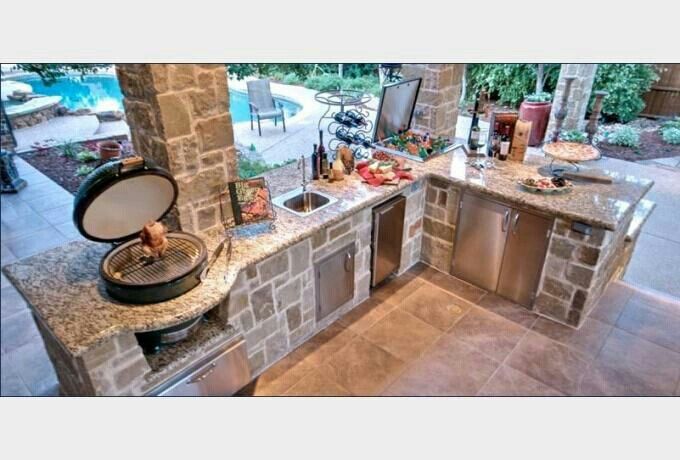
222,373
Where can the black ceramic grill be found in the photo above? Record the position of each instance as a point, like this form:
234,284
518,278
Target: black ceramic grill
129,265
112,205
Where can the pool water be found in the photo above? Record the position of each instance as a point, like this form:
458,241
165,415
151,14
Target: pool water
102,93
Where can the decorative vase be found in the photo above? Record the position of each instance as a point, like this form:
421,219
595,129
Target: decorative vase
538,113
108,150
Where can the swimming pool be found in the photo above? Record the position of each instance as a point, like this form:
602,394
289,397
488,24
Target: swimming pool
102,92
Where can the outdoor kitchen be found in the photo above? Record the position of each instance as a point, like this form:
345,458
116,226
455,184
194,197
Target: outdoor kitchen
194,282
339,230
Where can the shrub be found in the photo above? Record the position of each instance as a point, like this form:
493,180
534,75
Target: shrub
69,150
292,79
84,170
625,83
574,136
675,123
85,156
277,76
539,97
508,83
303,71
248,168
325,82
370,85
671,135
625,136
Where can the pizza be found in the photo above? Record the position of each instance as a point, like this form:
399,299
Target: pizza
571,151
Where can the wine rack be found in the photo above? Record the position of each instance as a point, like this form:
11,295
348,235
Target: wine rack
348,121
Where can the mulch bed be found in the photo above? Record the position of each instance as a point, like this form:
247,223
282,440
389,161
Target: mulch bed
651,147
61,169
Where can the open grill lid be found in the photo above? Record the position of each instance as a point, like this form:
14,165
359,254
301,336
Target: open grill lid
395,111
119,197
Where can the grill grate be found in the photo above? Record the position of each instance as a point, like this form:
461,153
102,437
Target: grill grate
131,266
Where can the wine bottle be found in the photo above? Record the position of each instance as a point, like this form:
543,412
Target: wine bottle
473,140
321,151
344,119
473,136
495,146
344,135
358,119
315,164
505,143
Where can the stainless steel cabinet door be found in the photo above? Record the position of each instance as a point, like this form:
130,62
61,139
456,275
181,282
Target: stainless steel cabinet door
480,240
388,224
334,281
528,238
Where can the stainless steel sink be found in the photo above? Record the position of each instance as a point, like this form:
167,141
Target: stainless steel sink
303,203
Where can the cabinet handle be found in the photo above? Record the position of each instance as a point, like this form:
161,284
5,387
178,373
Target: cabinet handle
209,371
506,221
348,262
514,223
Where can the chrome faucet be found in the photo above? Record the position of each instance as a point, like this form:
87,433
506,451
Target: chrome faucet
303,166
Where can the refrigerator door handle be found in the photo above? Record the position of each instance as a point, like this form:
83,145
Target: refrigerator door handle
515,221
506,221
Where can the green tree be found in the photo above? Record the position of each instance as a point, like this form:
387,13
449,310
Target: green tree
626,84
510,83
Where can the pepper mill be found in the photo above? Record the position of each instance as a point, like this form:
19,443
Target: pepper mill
591,128
561,113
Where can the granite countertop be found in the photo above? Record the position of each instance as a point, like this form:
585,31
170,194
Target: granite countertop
600,205
64,288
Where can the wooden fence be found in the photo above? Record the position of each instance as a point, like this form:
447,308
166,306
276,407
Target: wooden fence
663,99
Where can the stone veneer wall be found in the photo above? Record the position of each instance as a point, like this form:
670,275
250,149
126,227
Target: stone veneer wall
579,96
179,117
439,224
273,304
115,367
413,227
577,270
437,107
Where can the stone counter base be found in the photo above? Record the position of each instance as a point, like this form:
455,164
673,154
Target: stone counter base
576,270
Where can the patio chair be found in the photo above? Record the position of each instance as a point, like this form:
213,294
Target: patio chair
262,104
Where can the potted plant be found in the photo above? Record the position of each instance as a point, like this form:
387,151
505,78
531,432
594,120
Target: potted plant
108,150
536,109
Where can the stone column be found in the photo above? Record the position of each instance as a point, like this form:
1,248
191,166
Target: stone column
437,107
578,99
179,117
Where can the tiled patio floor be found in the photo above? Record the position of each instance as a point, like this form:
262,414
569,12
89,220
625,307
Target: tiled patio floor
419,336
35,219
